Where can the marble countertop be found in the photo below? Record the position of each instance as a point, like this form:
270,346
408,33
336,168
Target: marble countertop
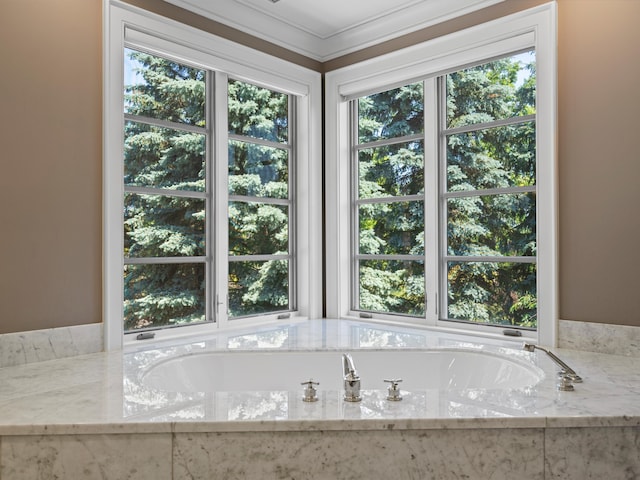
100,393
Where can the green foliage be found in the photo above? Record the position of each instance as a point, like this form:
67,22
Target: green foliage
258,112
163,295
392,287
258,287
391,114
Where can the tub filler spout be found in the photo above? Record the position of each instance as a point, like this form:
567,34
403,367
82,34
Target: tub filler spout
566,369
351,379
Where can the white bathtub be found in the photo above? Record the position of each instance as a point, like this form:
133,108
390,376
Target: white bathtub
440,368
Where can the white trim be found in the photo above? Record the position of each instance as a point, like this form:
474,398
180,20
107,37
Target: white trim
531,28
326,44
125,23
112,185
227,57
427,59
547,195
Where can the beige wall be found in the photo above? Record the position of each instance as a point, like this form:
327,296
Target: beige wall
599,160
50,163
50,182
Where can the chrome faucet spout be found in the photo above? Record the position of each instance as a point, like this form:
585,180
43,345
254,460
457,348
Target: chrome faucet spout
351,379
348,368
529,347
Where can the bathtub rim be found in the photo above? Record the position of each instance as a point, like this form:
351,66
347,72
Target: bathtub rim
522,359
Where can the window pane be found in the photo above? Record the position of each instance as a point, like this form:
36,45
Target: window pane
163,158
391,114
500,89
258,228
258,287
492,225
258,171
159,88
493,293
389,286
258,112
163,295
395,228
163,226
391,170
492,158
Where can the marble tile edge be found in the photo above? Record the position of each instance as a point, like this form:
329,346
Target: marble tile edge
273,426
116,428
21,348
125,428
599,337
361,425
593,422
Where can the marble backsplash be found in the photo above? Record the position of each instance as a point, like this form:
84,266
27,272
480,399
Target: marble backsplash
599,338
50,344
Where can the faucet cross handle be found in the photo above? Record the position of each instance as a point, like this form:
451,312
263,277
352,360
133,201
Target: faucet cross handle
310,393
393,390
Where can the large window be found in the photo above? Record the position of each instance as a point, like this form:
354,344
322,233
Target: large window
487,177
170,194
448,151
204,223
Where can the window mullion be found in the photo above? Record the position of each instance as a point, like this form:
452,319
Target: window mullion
475,127
210,124
260,141
355,223
489,259
164,191
431,200
396,199
489,191
266,200
161,260
387,141
441,89
292,111
220,196
158,122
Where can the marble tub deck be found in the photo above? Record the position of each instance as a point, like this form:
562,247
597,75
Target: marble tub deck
89,417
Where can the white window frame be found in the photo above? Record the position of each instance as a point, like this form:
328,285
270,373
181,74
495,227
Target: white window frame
531,29
134,27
